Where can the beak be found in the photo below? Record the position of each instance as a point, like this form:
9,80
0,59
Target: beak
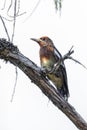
36,40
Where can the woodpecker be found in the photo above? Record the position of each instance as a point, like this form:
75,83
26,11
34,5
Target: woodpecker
49,56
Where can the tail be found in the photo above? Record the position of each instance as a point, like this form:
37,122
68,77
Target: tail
63,92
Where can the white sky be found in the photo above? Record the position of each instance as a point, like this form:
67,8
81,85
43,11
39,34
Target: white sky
30,109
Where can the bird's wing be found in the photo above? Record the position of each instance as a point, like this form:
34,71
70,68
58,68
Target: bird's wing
65,81
57,53
63,70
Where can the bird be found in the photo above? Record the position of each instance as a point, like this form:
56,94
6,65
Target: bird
49,56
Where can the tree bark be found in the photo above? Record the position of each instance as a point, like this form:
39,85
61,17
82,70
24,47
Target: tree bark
11,53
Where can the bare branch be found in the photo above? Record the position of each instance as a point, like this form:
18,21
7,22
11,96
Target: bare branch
10,53
71,58
14,22
16,8
17,2
33,10
9,8
14,84
5,28
11,17
66,56
4,5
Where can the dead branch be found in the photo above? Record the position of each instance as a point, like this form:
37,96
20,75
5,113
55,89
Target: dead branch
14,21
4,5
11,53
15,5
66,56
34,9
5,28
13,93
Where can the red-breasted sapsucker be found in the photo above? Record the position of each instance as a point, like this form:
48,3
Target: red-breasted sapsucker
49,56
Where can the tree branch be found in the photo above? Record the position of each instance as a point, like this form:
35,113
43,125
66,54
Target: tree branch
5,28
11,53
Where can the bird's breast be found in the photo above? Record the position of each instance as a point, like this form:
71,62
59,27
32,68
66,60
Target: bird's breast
46,62
46,58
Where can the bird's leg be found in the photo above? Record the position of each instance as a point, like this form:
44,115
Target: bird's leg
45,70
56,66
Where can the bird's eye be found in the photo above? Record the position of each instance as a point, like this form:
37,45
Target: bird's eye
44,39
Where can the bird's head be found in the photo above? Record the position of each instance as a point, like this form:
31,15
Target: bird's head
43,41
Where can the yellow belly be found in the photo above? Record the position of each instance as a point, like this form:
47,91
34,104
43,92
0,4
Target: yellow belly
48,64
57,81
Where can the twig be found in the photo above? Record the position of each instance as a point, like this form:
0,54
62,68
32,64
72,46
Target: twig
5,28
14,22
17,10
8,10
33,10
9,7
66,56
12,17
4,5
14,84
71,58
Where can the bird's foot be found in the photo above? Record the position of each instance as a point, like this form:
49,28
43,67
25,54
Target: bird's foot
45,70
55,67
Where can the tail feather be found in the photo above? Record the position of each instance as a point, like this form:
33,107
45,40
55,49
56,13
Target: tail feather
63,93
